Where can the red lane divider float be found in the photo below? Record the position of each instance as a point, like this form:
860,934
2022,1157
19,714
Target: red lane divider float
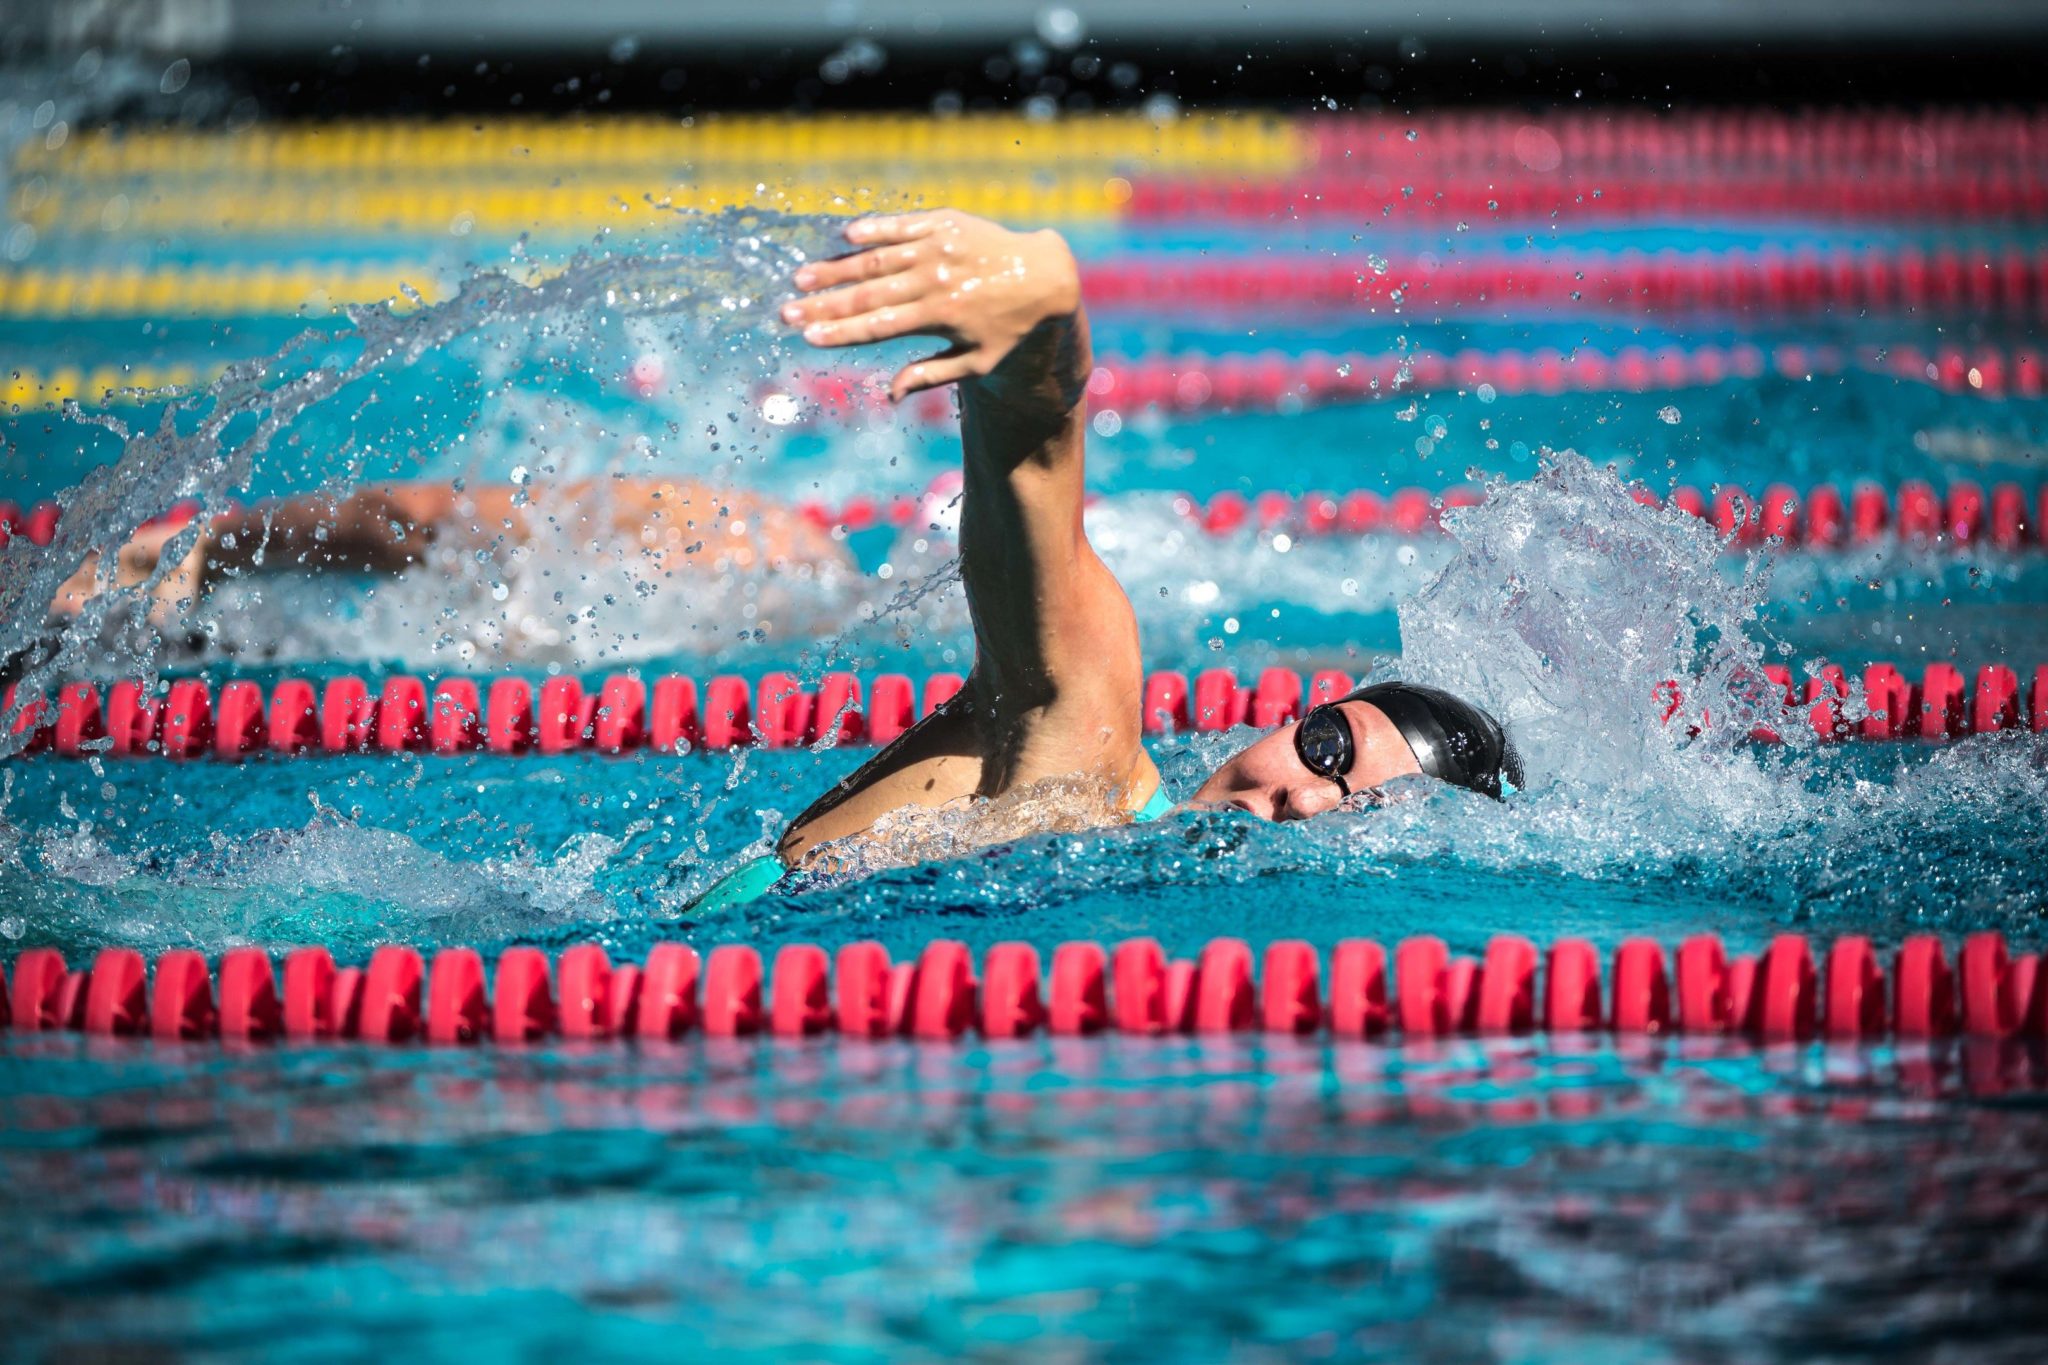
187,719
1765,283
38,525
1277,381
1397,193
1735,144
1789,993
2006,517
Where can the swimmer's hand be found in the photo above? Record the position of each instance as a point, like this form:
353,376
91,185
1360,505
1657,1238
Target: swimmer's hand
975,284
181,585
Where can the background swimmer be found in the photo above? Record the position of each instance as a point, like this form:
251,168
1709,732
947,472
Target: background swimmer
390,528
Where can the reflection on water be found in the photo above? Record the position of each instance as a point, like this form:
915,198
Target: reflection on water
1106,1198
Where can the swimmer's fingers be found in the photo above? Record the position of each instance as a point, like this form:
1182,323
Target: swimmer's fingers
889,228
861,265
879,325
947,367
854,299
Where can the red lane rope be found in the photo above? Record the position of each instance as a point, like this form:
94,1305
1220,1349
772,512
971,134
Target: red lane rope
38,525
1792,992
1268,381
1964,515
1813,143
1277,381
187,718
1772,281
1393,192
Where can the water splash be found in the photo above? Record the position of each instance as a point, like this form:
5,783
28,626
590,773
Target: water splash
1565,609
1568,607
709,285
478,602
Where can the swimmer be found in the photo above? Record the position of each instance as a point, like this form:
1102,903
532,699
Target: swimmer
1054,696
390,528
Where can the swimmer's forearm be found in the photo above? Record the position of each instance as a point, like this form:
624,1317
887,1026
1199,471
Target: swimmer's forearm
368,531
1021,542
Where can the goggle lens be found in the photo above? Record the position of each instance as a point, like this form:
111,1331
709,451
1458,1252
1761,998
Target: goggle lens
1323,741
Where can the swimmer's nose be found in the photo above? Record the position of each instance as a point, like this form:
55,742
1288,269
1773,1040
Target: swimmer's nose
1299,803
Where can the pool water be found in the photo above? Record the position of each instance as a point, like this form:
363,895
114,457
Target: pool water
1532,1199
1105,1199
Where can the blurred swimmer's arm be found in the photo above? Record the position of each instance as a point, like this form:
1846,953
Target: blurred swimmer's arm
376,530
387,528
379,530
1057,676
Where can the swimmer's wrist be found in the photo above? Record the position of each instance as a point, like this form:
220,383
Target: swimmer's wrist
1061,273
1047,370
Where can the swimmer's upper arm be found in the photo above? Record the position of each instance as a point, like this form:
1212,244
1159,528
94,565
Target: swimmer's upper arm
936,761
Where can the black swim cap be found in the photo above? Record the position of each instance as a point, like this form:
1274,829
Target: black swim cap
1453,740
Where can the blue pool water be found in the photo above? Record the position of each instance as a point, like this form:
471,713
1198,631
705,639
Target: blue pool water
1122,1199
1106,1200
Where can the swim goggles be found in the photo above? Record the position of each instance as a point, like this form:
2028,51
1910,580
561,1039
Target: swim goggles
1322,740
1452,740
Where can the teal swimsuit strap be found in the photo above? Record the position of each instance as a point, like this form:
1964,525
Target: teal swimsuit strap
747,882
1159,805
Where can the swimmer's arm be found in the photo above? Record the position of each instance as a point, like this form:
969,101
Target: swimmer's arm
1056,683
936,761
1057,660
375,530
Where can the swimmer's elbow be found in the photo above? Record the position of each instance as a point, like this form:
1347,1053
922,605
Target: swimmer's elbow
796,841
802,839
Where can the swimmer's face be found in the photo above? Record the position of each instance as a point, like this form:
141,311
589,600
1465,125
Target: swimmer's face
1269,779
